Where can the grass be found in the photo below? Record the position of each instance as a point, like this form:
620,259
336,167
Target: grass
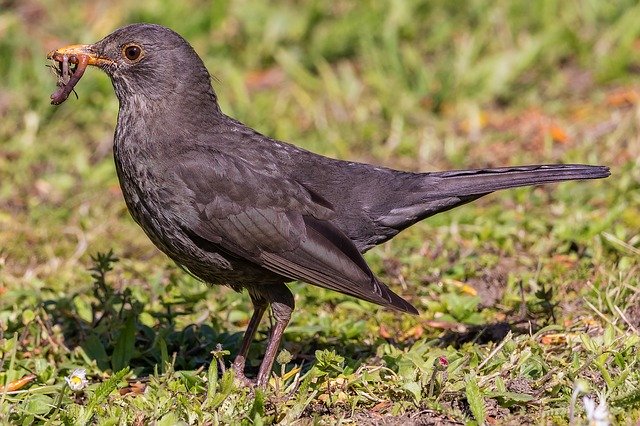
529,298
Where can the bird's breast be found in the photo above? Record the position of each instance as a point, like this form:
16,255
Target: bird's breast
144,188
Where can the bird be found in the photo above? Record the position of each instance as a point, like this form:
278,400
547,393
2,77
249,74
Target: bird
234,207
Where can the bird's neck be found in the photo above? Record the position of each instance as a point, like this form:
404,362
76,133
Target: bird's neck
176,118
169,96
167,87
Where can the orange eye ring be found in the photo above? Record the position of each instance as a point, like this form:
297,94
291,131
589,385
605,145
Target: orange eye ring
132,52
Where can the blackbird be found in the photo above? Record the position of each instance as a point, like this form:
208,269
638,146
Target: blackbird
234,207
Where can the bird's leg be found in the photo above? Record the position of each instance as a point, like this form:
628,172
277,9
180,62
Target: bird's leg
259,307
282,304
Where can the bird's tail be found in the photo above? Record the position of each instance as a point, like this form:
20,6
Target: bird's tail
435,192
463,183
431,193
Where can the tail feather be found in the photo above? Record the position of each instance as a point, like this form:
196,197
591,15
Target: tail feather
440,191
463,183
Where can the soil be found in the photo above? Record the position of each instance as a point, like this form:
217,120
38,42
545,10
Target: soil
422,417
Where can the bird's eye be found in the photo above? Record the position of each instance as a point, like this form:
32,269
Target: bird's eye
132,52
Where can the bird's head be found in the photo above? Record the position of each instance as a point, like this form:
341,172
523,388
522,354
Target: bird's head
145,61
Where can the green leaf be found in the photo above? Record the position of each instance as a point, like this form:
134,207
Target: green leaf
170,419
165,362
83,308
460,306
39,405
125,344
329,361
101,393
508,399
226,386
94,349
303,400
475,399
631,399
588,343
212,379
27,316
257,409
28,420
415,389
609,335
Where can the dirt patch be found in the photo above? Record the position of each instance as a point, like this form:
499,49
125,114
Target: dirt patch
633,312
520,385
422,417
494,411
492,284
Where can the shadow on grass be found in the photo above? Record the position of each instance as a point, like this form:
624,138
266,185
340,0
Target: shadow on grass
122,340
488,333
117,330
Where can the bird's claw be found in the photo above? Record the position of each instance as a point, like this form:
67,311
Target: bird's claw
238,369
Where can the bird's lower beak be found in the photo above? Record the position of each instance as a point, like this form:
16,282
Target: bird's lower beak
79,51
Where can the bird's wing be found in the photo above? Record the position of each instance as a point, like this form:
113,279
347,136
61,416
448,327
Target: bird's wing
274,222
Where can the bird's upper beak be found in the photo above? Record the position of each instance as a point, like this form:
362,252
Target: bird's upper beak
77,51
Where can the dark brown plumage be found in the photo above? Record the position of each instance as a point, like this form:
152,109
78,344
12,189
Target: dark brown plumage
236,208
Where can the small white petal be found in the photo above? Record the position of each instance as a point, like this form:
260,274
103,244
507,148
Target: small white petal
77,380
597,416
589,406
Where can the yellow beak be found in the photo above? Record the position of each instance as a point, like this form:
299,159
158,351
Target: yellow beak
79,50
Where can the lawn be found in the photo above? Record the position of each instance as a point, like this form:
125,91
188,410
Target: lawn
529,298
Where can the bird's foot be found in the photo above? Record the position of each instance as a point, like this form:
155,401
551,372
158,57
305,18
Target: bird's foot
238,369
244,380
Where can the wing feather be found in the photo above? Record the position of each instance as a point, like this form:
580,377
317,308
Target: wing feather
276,223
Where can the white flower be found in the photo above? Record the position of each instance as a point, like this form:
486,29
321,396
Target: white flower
580,387
597,416
77,380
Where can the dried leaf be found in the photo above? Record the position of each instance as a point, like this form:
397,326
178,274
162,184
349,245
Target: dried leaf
17,384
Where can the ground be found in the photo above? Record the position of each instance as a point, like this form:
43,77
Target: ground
528,298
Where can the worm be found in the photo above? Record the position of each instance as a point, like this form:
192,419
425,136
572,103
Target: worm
68,78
